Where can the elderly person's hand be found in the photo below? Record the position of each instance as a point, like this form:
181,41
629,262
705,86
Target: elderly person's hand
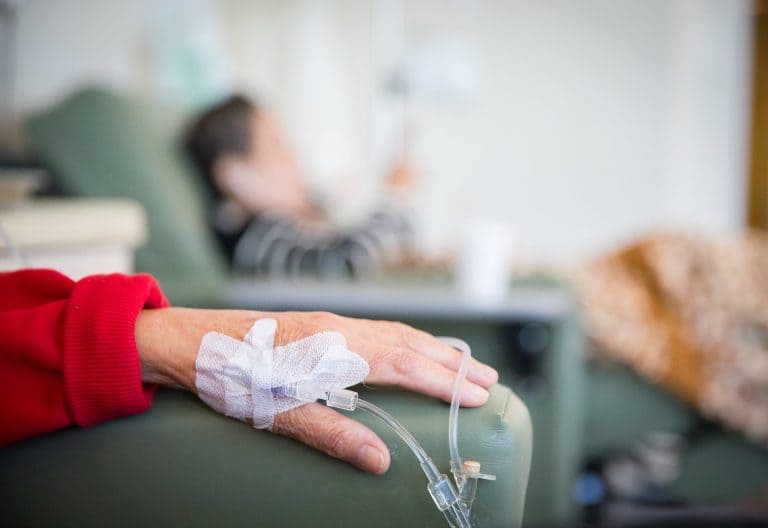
168,341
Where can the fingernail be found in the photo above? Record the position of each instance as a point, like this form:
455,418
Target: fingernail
370,458
478,394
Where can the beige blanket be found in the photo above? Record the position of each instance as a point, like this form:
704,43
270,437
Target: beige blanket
689,313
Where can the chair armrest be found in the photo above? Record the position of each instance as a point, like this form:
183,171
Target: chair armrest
181,464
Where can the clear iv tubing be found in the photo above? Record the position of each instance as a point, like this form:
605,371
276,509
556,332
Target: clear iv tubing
440,488
453,416
457,513
350,401
397,427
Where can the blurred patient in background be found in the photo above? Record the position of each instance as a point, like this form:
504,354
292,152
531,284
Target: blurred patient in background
264,215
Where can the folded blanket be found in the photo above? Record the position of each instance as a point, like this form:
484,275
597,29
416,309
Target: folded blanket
690,313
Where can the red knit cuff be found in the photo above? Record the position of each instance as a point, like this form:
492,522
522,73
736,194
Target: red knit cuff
102,372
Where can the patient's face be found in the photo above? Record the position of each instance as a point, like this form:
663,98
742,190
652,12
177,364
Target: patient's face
268,178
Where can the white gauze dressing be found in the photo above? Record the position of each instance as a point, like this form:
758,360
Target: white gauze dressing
243,379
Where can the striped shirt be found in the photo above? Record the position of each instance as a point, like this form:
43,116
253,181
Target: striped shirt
271,246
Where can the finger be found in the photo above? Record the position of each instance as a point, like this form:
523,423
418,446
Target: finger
449,357
334,434
398,334
406,368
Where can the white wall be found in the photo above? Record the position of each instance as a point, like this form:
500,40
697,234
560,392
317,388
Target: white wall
579,124
595,121
64,44
310,61
130,46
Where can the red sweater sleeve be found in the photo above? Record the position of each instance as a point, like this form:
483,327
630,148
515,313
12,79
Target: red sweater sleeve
68,350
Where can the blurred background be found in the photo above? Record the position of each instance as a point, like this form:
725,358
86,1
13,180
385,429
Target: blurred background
609,118
589,186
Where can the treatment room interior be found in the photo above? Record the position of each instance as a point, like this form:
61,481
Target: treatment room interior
578,190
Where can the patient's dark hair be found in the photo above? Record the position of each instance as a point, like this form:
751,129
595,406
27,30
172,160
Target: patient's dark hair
224,128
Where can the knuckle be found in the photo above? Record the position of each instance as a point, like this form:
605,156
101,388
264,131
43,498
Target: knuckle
423,336
326,317
404,363
405,336
397,325
403,328
379,361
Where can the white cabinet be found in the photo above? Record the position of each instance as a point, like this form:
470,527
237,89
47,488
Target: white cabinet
75,236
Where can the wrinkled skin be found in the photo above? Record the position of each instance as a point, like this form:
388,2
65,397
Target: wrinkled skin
398,355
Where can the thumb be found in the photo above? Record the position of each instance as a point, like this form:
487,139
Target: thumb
324,429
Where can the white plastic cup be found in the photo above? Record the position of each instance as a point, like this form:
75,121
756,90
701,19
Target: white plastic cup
483,266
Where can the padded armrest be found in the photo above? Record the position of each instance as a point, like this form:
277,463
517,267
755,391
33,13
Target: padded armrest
181,464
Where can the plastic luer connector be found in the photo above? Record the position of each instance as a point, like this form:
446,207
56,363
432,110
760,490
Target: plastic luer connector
447,501
307,391
443,493
342,399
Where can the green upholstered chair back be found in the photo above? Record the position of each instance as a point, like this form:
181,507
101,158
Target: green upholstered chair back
100,144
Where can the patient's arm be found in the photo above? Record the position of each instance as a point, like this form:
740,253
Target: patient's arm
168,341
